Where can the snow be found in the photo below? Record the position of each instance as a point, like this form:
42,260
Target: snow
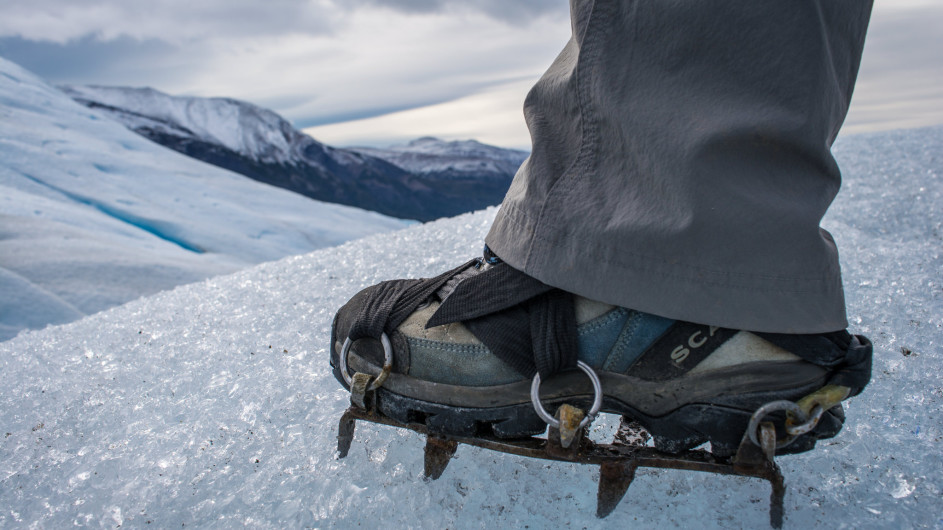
430,155
212,405
236,125
93,215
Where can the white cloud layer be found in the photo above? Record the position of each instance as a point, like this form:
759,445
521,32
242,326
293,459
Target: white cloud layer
185,21
494,116
377,71
174,21
380,61
315,63
900,84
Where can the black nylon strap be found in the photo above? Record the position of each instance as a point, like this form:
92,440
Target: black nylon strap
527,324
494,290
848,355
507,335
553,330
391,302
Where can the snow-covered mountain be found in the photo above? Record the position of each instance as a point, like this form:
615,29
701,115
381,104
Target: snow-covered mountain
455,159
233,125
429,180
212,405
92,215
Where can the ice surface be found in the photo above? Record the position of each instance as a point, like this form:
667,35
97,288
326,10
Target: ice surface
212,405
93,215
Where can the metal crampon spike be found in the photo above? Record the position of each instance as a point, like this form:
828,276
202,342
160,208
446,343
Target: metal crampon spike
758,461
768,441
345,433
439,452
614,480
616,477
617,461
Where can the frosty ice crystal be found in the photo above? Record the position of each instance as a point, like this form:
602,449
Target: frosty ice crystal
212,405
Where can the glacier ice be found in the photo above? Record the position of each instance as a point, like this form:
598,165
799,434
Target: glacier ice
212,404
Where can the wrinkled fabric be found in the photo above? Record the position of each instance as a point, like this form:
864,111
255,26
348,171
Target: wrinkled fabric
681,160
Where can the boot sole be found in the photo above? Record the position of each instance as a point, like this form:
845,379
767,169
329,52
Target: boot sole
680,414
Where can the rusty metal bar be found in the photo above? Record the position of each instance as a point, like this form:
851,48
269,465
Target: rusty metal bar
618,461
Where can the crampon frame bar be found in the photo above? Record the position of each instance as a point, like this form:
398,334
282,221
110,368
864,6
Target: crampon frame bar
617,461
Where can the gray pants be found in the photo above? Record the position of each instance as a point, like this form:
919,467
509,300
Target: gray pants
681,160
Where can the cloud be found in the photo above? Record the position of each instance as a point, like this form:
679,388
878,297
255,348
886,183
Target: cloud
516,11
492,116
900,84
315,61
173,21
92,61
319,62
379,62
185,21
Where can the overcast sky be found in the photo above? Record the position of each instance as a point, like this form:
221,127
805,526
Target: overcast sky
376,72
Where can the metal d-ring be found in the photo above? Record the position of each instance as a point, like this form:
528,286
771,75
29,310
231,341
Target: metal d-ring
789,408
794,429
387,361
553,422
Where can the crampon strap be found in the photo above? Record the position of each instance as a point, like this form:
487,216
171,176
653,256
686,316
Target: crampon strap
848,356
393,301
527,324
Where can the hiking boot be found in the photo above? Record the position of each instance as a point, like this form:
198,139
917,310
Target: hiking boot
464,349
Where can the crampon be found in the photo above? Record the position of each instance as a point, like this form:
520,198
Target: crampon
566,441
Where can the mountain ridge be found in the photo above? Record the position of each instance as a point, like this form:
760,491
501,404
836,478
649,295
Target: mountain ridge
421,184
93,215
